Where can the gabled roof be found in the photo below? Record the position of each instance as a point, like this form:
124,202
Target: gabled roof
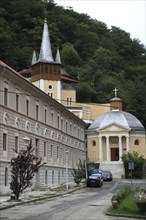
66,77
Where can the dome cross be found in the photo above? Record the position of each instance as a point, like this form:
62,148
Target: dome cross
116,91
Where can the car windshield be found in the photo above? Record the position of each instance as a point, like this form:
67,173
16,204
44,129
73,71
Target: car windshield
93,177
105,172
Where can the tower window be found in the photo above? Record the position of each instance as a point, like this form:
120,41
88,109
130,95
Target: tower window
50,86
50,94
136,142
69,101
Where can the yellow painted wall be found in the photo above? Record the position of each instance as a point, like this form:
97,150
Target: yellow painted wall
141,148
68,94
53,90
92,111
36,83
93,151
46,87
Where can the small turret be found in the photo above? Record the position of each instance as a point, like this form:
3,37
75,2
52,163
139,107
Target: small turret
58,59
116,103
34,59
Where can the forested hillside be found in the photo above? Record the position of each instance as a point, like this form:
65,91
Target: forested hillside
102,58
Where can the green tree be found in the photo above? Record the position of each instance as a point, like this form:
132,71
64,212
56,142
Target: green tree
23,169
69,55
138,161
85,93
79,173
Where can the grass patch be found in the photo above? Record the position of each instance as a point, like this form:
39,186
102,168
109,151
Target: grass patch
127,207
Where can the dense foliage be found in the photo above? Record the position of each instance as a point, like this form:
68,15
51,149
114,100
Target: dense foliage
100,57
138,161
129,202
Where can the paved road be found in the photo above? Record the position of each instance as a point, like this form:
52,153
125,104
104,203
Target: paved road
85,204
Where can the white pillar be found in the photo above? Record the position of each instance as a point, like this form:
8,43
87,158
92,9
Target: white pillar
127,143
59,91
120,147
100,149
107,149
42,83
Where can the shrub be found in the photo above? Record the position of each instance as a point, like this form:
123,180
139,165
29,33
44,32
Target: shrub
138,161
115,201
124,192
120,196
140,195
79,172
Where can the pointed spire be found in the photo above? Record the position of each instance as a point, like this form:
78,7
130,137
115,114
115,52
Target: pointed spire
58,59
34,59
45,51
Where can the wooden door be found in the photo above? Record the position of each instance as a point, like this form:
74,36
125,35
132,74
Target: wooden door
114,154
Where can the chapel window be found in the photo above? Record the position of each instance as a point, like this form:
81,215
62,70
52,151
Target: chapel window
94,143
136,142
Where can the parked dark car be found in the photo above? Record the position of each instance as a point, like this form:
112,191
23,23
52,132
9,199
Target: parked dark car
94,171
95,180
107,175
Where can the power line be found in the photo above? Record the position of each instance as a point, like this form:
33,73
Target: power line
87,103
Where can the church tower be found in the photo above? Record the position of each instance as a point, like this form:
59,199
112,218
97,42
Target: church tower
49,75
46,73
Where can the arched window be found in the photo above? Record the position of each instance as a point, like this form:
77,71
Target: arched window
136,142
5,118
37,128
52,134
46,132
27,126
17,122
94,143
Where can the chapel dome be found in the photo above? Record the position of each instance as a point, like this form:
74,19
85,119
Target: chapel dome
117,117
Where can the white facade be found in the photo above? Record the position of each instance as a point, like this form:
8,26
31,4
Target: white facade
26,111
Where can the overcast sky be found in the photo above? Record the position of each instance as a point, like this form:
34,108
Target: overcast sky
128,15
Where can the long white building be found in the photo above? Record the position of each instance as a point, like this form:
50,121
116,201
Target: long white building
57,134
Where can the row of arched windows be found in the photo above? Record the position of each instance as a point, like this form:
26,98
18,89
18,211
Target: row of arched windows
136,142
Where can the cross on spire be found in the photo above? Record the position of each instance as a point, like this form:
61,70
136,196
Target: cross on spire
116,91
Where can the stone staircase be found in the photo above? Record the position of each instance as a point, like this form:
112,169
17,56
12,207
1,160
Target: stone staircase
116,168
